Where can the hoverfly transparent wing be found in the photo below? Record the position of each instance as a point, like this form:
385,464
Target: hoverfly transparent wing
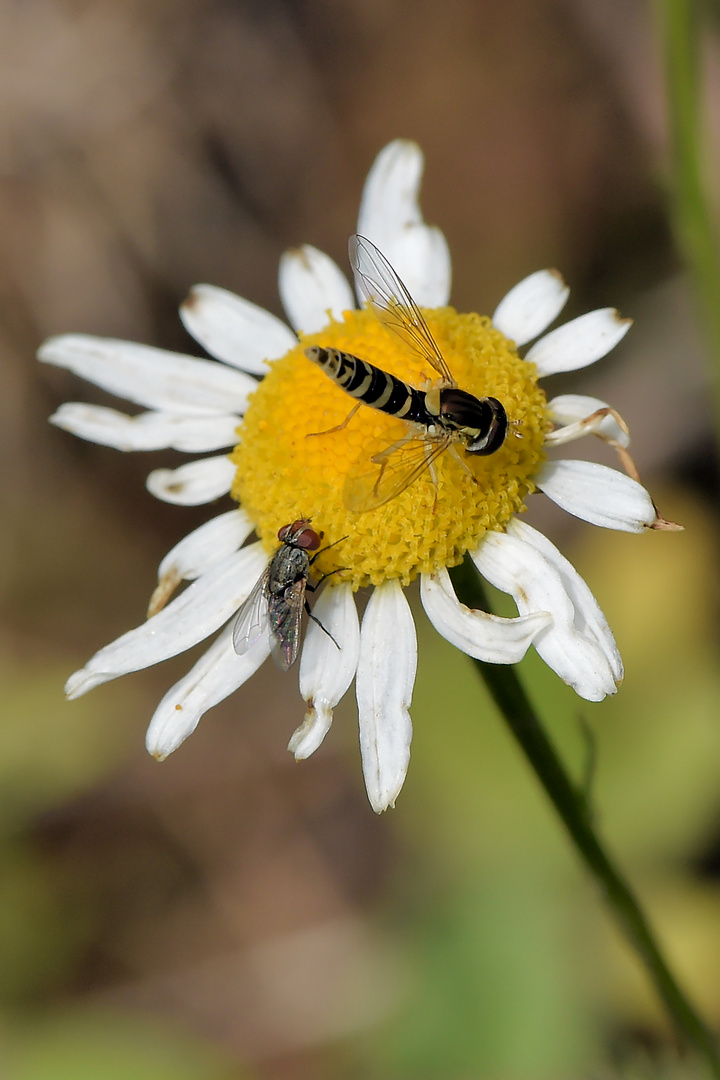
382,472
383,291
285,615
252,618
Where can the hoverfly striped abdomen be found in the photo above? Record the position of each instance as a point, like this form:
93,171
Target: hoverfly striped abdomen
372,385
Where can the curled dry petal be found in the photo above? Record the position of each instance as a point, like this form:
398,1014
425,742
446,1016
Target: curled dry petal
486,637
516,567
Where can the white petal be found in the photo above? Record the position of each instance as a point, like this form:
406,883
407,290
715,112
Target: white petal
191,617
197,552
193,484
217,674
234,330
147,431
390,216
571,409
207,545
313,289
588,618
150,377
535,584
579,343
597,494
486,637
325,671
531,306
384,684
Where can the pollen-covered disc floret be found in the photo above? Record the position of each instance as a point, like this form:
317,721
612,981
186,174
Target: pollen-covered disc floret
288,458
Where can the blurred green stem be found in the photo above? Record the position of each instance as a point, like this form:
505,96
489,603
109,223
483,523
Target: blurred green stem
570,802
694,226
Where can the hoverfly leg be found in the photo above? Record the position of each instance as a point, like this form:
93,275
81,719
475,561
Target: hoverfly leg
381,458
433,476
466,467
338,427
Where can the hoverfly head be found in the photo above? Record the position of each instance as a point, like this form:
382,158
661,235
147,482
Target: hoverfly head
491,435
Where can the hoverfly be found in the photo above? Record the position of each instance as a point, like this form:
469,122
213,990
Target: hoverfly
436,419
278,597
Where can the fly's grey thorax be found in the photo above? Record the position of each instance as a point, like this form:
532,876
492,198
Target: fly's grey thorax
288,565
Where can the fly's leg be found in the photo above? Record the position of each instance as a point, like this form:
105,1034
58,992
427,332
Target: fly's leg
314,618
327,548
312,587
338,427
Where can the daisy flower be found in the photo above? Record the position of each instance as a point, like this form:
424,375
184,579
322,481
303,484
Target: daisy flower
277,473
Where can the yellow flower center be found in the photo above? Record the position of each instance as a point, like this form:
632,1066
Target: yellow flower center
290,466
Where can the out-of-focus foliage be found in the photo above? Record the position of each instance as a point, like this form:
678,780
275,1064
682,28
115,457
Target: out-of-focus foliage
85,1045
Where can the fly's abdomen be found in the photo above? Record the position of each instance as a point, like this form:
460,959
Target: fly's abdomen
371,384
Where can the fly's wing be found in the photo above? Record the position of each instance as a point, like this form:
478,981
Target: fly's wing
382,472
285,614
252,618
381,288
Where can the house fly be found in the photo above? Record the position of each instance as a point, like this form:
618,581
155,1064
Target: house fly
278,597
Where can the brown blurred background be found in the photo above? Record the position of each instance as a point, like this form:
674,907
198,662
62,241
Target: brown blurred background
231,914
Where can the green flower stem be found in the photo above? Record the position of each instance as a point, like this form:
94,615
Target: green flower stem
694,226
571,804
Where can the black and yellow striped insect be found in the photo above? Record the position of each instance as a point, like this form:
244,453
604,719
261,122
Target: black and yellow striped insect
437,419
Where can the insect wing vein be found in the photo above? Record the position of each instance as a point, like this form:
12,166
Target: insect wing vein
372,483
285,617
381,288
252,618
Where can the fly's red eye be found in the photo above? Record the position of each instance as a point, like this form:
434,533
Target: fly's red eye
308,539
284,532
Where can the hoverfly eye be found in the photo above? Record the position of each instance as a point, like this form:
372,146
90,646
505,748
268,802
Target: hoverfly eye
496,432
